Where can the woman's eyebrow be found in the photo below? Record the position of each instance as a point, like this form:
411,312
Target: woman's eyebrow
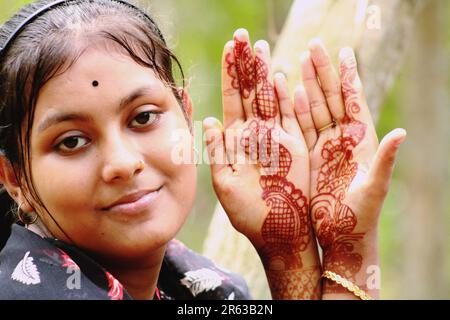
143,91
62,117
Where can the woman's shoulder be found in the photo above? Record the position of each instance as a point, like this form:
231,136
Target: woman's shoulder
32,267
186,274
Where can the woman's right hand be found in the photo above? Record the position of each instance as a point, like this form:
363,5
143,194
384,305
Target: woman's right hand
260,169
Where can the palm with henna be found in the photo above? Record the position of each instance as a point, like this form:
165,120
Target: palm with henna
350,171
260,169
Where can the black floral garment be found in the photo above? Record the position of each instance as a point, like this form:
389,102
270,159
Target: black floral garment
32,267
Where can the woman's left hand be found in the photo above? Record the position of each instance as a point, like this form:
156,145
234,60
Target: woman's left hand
350,172
260,169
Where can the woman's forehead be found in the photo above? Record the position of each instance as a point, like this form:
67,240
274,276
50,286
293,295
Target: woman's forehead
98,64
100,73
98,80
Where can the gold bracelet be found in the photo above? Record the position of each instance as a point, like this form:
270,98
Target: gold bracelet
350,286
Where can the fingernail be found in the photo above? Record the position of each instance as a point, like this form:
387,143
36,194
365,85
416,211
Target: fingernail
315,43
210,122
346,53
229,44
299,89
403,134
241,34
280,76
262,46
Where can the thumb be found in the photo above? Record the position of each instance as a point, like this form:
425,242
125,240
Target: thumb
215,146
380,173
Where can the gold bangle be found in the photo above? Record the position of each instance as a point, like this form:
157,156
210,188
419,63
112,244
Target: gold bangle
350,286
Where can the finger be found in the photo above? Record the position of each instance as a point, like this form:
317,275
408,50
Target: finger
329,79
266,102
216,148
356,107
304,117
231,97
319,109
241,146
383,165
245,69
288,119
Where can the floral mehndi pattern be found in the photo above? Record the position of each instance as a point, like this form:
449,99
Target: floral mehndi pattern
287,228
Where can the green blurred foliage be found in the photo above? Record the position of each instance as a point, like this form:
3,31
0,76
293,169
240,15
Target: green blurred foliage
9,7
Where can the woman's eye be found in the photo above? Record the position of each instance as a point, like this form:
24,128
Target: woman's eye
72,144
144,119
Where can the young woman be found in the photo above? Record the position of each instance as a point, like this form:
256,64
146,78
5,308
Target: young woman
88,108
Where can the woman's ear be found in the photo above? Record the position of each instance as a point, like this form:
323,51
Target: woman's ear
10,183
187,102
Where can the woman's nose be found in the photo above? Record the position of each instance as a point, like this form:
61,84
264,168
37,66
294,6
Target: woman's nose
122,162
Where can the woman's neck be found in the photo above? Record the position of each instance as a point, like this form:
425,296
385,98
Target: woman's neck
140,281
40,229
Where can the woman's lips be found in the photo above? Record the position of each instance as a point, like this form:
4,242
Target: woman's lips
134,203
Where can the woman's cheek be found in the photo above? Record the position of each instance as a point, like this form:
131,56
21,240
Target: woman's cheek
173,144
178,165
68,190
58,180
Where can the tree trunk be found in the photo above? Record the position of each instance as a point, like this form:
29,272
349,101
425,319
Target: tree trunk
380,31
424,168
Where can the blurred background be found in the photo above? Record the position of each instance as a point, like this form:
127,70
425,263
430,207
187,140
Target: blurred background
415,222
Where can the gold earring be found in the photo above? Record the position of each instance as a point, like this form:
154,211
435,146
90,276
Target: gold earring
26,218
141,165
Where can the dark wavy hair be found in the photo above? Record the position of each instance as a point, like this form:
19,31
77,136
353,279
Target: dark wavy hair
47,47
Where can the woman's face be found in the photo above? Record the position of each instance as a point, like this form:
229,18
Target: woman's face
101,150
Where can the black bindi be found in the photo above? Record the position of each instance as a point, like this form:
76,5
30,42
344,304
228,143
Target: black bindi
95,83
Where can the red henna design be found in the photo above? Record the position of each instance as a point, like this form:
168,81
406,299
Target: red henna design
295,284
278,162
251,73
335,221
231,70
338,171
287,228
349,74
265,104
352,105
258,142
251,136
245,68
354,129
343,261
